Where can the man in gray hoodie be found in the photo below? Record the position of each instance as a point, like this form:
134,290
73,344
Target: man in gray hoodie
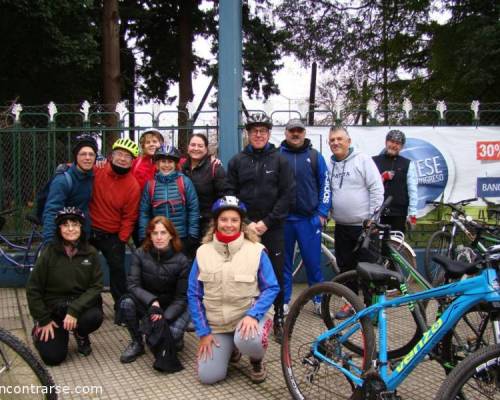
357,191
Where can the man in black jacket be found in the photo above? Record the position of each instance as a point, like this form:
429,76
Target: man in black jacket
261,178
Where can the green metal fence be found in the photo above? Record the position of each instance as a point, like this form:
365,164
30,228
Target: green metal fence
33,141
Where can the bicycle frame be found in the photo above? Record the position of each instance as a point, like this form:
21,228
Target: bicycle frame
25,249
484,287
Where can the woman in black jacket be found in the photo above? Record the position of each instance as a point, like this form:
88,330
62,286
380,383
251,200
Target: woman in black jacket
208,177
157,286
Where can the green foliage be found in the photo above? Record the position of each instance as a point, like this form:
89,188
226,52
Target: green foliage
464,54
51,51
155,26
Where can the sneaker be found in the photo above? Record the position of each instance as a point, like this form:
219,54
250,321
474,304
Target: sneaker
345,312
133,350
286,309
179,345
258,373
235,356
190,327
317,308
83,344
278,331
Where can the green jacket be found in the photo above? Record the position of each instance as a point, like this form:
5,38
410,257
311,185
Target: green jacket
58,278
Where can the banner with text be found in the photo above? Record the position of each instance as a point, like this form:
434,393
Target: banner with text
457,162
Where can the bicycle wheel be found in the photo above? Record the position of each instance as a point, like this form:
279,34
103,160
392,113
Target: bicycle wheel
328,261
472,332
439,243
19,368
476,377
401,336
307,376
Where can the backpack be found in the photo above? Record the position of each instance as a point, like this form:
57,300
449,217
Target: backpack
43,194
180,187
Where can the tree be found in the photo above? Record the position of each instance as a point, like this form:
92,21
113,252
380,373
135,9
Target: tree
463,54
51,51
375,41
164,31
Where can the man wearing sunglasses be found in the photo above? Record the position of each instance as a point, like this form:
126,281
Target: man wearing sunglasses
261,178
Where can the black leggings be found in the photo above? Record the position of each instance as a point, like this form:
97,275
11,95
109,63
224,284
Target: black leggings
274,240
54,352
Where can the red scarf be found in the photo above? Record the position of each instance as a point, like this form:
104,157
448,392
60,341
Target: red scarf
221,237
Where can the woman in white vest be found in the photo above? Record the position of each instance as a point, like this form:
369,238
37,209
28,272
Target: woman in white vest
231,287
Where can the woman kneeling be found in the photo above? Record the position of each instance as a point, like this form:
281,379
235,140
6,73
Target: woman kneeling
157,286
64,290
231,287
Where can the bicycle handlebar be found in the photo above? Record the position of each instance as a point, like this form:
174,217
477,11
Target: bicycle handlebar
453,206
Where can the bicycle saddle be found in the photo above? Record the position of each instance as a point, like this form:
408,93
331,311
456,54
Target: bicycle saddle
455,269
33,219
379,275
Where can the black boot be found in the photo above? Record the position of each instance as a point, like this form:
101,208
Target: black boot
134,349
83,344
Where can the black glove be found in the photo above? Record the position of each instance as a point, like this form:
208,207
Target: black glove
154,310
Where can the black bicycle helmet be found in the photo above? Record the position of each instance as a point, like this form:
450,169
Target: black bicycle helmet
396,135
167,151
258,120
83,140
72,213
229,203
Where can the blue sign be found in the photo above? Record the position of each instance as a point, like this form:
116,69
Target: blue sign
488,187
431,167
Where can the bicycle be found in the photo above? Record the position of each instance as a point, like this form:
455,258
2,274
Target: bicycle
445,240
20,368
29,248
328,259
389,249
475,378
318,361
330,262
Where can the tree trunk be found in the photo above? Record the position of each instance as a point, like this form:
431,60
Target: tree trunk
111,64
385,66
185,69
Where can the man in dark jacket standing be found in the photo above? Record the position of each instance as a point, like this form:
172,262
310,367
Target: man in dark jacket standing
73,187
261,178
400,181
312,205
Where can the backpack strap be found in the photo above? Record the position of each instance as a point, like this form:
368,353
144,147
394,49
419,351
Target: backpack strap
151,190
69,180
181,188
213,164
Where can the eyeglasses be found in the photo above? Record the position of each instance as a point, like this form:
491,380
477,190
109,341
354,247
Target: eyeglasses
261,132
122,154
71,225
90,154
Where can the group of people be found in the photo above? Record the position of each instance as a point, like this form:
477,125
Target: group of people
214,248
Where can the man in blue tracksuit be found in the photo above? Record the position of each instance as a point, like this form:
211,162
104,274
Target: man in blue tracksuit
312,204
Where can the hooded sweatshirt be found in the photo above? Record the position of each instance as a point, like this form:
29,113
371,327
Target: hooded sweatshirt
357,190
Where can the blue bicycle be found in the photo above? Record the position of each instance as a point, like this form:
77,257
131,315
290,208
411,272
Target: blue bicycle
319,362
28,248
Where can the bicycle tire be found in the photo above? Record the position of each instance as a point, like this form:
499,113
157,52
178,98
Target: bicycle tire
407,255
438,243
398,334
307,376
469,379
472,332
325,263
20,367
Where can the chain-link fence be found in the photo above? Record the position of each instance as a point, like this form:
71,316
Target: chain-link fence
36,140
